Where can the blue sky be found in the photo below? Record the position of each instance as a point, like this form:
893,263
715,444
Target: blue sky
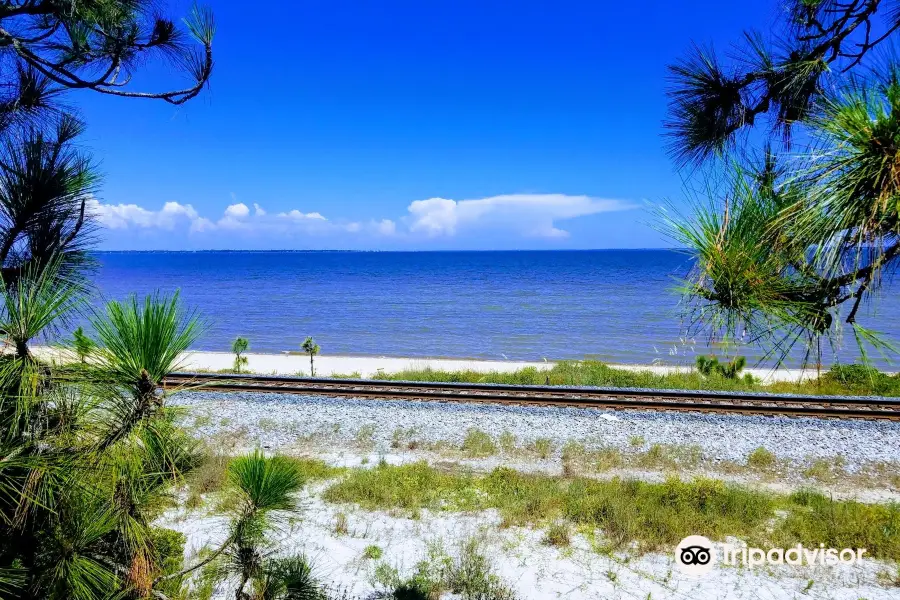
408,125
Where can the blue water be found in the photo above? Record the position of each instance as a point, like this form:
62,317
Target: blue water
613,305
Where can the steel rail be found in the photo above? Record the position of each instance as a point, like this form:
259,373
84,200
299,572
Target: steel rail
846,407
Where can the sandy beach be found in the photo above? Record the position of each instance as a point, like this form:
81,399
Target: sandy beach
368,366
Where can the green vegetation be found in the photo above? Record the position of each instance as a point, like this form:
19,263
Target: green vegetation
840,380
557,534
542,447
92,452
312,348
238,347
710,365
373,552
814,517
466,574
410,487
651,515
478,444
800,225
47,179
761,458
82,344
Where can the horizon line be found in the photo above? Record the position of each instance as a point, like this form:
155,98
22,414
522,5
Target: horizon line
399,251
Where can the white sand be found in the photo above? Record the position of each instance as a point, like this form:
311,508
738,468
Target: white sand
367,366
534,570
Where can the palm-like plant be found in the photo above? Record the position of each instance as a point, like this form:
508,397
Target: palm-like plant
310,347
238,347
82,344
37,302
75,510
88,456
289,578
139,344
263,487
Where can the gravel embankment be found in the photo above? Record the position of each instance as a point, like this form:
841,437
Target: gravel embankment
280,420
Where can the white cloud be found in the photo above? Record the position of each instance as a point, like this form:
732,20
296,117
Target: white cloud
122,216
527,214
524,215
386,227
296,215
237,211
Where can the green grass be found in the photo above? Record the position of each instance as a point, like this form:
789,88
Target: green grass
651,515
840,380
411,487
557,535
761,458
814,518
210,476
478,444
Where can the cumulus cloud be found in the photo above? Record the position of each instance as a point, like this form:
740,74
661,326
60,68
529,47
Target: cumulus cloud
122,216
528,214
524,215
237,211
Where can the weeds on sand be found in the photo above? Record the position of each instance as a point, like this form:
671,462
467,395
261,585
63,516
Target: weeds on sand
557,535
365,437
760,458
410,487
507,441
608,458
669,457
814,518
651,515
840,380
478,444
823,469
542,447
210,476
341,524
467,574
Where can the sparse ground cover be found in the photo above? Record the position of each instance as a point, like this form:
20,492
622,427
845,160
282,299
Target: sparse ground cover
387,529
840,380
790,453
547,501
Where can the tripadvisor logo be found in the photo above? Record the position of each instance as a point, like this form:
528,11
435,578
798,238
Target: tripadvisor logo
696,555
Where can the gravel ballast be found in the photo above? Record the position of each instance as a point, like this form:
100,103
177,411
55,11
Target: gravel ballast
279,420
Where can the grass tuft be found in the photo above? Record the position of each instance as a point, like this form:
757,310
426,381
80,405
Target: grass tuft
557,535
760,458
478,444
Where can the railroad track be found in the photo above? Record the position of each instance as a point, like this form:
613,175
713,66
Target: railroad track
841,407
